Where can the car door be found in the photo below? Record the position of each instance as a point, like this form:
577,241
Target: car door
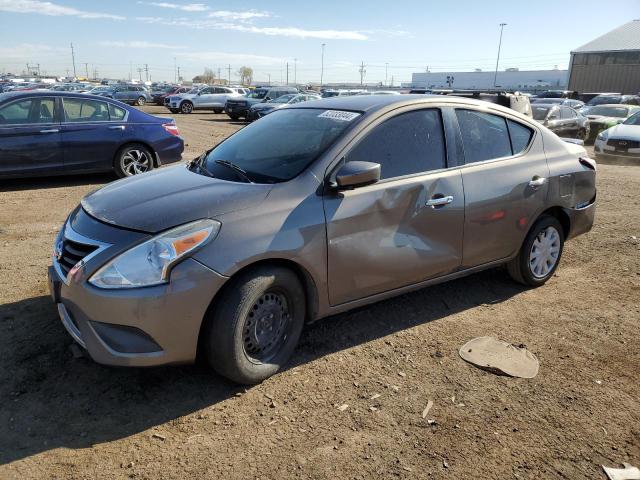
30,141
92,132
569,121
505,183
205,98
407,227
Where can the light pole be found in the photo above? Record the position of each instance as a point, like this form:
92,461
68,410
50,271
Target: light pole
322,65
495,76
295,71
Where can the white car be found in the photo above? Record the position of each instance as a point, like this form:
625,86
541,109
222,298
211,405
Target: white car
623,140
207,98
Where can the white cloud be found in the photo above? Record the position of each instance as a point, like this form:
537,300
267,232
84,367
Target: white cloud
186,7
271,31
228,15
140,44
51,9
25,51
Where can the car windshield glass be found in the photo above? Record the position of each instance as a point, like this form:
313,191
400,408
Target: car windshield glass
283,99
601,100
633,120
259,94
619,112
540,113
281,145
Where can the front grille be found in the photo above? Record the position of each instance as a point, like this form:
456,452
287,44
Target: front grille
71,253
236,103
622,143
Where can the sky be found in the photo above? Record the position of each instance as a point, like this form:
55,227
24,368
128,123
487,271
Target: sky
392,39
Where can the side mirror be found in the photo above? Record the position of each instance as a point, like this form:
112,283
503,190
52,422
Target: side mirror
357,174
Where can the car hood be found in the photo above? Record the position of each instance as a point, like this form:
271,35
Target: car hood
267,106
183,96
628,132
167,197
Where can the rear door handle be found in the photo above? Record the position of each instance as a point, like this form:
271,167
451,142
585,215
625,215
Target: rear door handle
117,127
537,181
50,130
439,201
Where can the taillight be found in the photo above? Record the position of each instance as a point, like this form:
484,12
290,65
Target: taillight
590,163
172,128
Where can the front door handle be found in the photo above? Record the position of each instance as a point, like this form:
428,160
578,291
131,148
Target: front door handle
117,127
50,130
439,201
537,182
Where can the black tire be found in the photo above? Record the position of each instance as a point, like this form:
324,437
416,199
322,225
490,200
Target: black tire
239,345
141,101
174,110
582,134
218,110
121,163
233,116
186,107
520,268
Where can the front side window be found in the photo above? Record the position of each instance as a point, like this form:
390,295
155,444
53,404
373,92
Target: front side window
567,113
33,110
406,144
80,110
484,136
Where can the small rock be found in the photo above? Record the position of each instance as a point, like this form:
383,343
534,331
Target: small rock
402,374
445,464
425,412
343,407
599,382
159,437
374,396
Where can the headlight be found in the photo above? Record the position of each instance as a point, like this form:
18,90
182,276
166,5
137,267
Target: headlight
150,262
602,135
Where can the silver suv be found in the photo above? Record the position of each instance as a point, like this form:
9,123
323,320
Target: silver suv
207,98
315,209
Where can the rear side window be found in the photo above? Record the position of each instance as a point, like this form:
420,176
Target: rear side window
520,136
406,144
80,110
34,110
116,113
486,136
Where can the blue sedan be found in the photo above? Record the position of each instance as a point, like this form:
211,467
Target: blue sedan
52,133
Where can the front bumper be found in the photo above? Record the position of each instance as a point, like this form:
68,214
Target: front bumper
607,152
237,110
148,326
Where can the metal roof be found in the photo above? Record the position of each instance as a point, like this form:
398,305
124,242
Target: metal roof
625,37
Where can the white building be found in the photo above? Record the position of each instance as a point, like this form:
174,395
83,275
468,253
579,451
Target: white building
510,79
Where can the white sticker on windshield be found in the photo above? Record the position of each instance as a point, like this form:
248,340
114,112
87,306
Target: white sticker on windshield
339,115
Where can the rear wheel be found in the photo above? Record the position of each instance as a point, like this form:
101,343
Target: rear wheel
132,160
218,110
141,101
186,107
540,253
253,330
233,116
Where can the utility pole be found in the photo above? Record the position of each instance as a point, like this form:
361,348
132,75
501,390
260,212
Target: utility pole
495,77
175,70
322,66
179,73
73,59
386,72
140,72
362,72
219,78
146,71
229,68
130,71
86,69
269,78
295,71
287,73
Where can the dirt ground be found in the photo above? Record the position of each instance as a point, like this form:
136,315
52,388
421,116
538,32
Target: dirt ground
64,417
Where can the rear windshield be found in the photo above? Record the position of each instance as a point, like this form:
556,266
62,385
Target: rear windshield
281,145
604,99
540,113
619,112
259,94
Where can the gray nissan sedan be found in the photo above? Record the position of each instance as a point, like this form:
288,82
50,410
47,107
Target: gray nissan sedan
310,211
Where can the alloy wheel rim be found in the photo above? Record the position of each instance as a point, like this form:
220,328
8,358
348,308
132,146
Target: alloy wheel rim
186,108
266,327
545,252
141,101
135,162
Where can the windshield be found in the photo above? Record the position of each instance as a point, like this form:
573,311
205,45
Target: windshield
619,112
540,113
604,99
633,120
282,99
260,94
280,146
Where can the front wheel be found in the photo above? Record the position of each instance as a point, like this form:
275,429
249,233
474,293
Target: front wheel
218,110
186,107
141,101
174,110
540,253
233,116
132,160
251,332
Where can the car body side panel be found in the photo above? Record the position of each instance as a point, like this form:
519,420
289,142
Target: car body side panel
91,145
384,236
501,205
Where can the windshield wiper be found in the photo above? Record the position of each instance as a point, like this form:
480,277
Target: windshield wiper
235,168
